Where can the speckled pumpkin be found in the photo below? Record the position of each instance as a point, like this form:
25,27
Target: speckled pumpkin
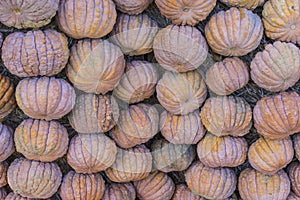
3,193
228,76
86,18
211,183
3,173
7,96
296,142
134,34
227,115
183,192
254,185
186,12
234,32
136,125
117,191
181,93
180,48
249,4
91,153
41,140
292,196
278,116
138,83
132,7
95,66
7,146
94,113
27,14
157,185
131,164
82,186
34,179
14,196
294,174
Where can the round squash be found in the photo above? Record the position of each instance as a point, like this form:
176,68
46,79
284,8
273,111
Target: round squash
14,196
3,174
249,4
7,146
7,96
117,191
132,7
294,174
292,196
296,142
183,192
3,194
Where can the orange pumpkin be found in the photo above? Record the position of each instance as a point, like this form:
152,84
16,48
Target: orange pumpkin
3,174
183,192
294,174
132,7
7,146
117,191
7,96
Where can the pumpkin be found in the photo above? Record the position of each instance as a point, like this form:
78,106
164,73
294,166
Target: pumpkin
132,7
27,14
234,32
254,185
180,48
252,4
3,173
277,116
294,175
34,179
35,53
3,193
117,191
86,18
276,68
228,76
296,142
91,153
7,146
157,185
186,12
138,83
95,66
136,125
134,34
7,96
131,165
45,98
211,183
94,113
181,93
282,20
292,196
183,192
41,140
82,186
14,196
227,115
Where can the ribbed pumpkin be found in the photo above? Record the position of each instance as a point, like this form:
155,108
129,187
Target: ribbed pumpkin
7,146
45,98
14,196
41,140
234,32
35,53
136,125
186,12
134,34
91,153
117,191
3,173
225,77
226,151
34,179
211,183
94,113
138,83
278,116
282,20
131,164
183,192
95,66
3,193
132,7
180,48
7,96
254,185
181,93
292,196
296,142
157,185
276,68
249,4
86,18
294,174
27,14
82,186
227,115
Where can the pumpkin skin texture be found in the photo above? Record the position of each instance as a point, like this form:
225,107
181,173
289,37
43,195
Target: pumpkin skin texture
227,40
183,192
27,14
136,125
7,96
252,4
131,165
3,193
134,34
181,93
35,53
34,179
137,83
132,7
14,196
296,142
94,113
186,12
95,66
86,19
116,191
292,196
211,183
82,186
294,174
227,115
3,173
41,140
276,68
254,185
7,146
180,48
157,186
277,116
228,76
91,153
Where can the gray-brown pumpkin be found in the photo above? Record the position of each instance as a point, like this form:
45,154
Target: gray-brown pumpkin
7,146
249,4
132,7
294,175
3,174
14,196
3,193
292,196
296,142
183,192
7,96
117,191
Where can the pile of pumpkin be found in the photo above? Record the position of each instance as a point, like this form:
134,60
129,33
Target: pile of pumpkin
202,125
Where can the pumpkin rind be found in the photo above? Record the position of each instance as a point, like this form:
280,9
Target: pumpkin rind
14,196
7,146
292,196
3,193
294,175
132,7
117,191
183,192
249,4
7,96
296,142
3,174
